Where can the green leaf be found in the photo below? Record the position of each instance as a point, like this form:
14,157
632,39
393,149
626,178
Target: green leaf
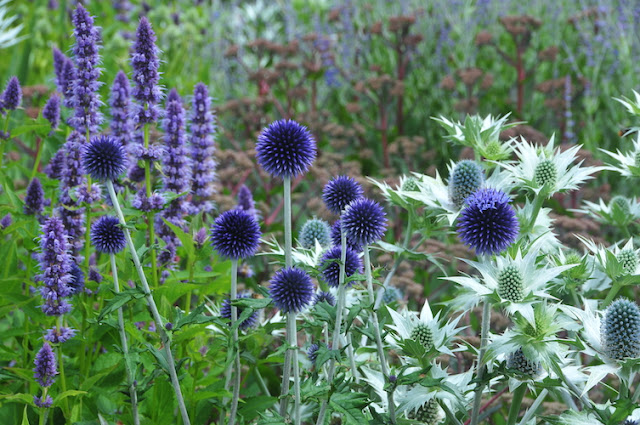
119,300
186,239
68,393
350,406
253,406
25,418
196,316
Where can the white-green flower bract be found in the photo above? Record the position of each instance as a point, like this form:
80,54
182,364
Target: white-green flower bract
620,211
531,156
481,134
406,321
614,261
307,257
628,164
632,105
541,231
534,279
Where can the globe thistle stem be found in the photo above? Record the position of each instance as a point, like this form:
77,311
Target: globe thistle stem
152,306
287,262
125,346
234,333
516,402
484,333
376,328
532,410
342,287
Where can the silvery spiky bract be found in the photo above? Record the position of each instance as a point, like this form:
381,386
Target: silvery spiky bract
235,234
364,220
312,230
285,149
104,158
340,192
488,223
107,235
291,289
466,178
620,330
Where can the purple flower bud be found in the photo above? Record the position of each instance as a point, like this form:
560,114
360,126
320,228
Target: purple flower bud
364,221
88,195
46,367
200,237
225,312
326,297
145,63
34,200
12,95
53,170
94,274
246,203
330,265
107,235
44,403
51,111
104,158
340,192
336,235
67,81
76,284
142,203
6,221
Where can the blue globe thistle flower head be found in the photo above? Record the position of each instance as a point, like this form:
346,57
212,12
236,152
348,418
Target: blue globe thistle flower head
104,158
107,235
285,149
336,234
330,265
326,297
620,330
488,223
466,178
312,353
365,221
312,230
225,312
291,289
235,234
340,192
76,284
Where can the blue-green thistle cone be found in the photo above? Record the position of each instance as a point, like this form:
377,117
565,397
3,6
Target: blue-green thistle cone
510,284
315,229
423,335
620,330
466,178
428,413
545,173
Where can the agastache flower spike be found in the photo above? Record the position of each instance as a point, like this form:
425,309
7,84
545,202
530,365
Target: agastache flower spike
202,150
285,149
34,201
246,203
12,95
51,111
121,126
46,366
55,263
86,99
145,63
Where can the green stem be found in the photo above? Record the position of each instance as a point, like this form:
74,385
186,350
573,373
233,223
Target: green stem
516,402
292,336
43,411
484,332
612,293
36,163
342,288
532,410
4,142
152,306
63,378
150,214
125,347
449,413
537,206
260,379
236,349
87,235
376,329
288,261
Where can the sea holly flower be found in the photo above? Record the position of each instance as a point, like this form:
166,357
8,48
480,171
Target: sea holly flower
547,171
488,223
429,413
518,361
516,282
330,266
291,289
620,211
465,179
235,234
615,262
285,149
340,192
315,230
620,330
481,134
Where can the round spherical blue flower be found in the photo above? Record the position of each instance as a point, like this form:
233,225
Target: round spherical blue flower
365,221
330,265
107,235
104,158
285,149
326,297
76,284
488,223
312,353
291,289
225,312
620,330
235,234
315,229
336,234
340,192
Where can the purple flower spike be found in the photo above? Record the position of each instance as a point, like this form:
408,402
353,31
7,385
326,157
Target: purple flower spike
55,263
34,200
45,403
6,221
86,85
46,366
364,221
175,163
246,202
330,265
104,158
59,59
53,170
291,289
58,336
121,126
145,63
107,235
340,192
12,95
235,234
285,149
202,150
488,223
51,111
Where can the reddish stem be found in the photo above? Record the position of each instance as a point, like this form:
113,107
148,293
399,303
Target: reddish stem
521,77
489,403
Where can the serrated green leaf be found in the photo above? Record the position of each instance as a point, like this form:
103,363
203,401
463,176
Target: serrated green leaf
119,300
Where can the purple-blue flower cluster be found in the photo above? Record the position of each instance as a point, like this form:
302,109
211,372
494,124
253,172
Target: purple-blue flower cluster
120,102
364,221
202,150
11,97
145,64
340,192
225,312
104,158
246,202
107,235
51,111
55,263
34,200
46,366
291,289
